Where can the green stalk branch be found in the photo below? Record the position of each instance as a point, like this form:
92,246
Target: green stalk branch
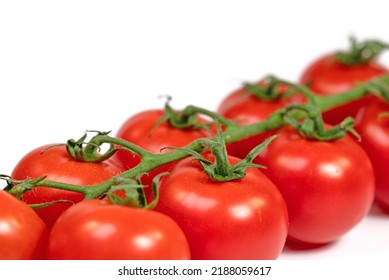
151,161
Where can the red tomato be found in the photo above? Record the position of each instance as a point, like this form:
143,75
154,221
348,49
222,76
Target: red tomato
244,108
328,186
240,219
23,235
374,131
137,130
96,229
327,76
57,165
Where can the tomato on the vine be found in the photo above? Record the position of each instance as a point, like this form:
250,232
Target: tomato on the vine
238,219
243,107
372,123
23,235
96,229
328,186
140,129
328,76
57,165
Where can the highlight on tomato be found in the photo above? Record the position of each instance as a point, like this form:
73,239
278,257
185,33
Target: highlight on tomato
227,208
340,71
328,185
57,164
23,235
98,230
154,130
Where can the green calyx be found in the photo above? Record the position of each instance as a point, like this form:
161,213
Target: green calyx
307,118
130,192
80,150
308,121
181,120
221,170
267,89
362,52
91,151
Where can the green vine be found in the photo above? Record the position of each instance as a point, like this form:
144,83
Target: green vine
89,151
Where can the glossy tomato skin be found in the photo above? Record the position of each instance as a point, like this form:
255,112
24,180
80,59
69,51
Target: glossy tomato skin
244,108
374,131
242,219
57,165
327,76
96,229
328,186
138,129
23,235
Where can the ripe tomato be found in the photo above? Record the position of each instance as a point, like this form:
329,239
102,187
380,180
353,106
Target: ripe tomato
240,219
374,131
327,76
328,186
138,129
57,165
245,108
23,235
96,229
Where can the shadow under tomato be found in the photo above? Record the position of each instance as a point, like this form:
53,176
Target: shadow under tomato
377,212
291,246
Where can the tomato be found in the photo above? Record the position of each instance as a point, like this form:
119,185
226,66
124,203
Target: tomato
139,129
23,235
96,229
373,128
244,108
240,219
327,76
328,186
58,165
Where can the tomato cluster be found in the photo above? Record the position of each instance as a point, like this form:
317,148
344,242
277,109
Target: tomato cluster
311,191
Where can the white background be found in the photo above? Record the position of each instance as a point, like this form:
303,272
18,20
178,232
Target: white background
69,66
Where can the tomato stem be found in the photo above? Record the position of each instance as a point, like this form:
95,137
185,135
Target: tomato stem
150,161
186,119
362,52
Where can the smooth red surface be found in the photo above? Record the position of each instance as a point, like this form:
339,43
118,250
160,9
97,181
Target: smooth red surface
23,235
139,129
328,186
95,229
326,76
373,128
244,108
240,219
57,165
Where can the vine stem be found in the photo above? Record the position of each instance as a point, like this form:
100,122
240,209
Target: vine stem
149,162
231,134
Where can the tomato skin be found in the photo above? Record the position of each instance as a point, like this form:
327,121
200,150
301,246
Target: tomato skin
137,128
23,235
327,76
244,108
96,229
57,165
242,219
328,186
374,131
